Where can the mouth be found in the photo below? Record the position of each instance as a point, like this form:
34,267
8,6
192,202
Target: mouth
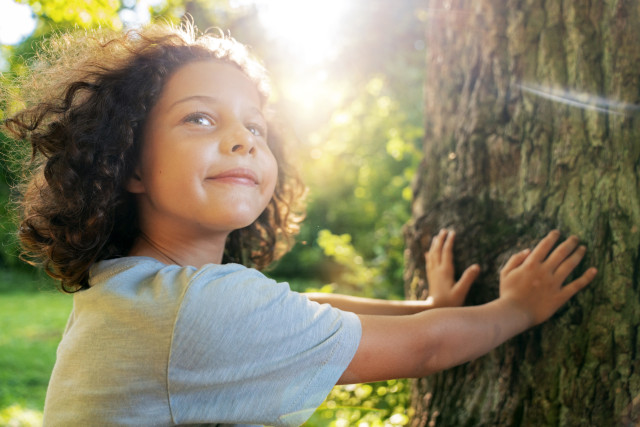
241,176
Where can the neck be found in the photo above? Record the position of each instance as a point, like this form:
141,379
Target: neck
195,252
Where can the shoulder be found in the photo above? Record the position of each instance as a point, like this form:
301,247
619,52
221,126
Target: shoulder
236,281
231,293
139,276
130,270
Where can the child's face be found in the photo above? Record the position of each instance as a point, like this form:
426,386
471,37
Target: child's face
205,164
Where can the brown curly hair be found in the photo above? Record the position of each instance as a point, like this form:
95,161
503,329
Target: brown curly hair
91,94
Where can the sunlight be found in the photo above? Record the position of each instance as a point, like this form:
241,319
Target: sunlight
16,415
308,28
308,34
584,100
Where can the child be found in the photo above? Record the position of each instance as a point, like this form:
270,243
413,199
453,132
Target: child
158,171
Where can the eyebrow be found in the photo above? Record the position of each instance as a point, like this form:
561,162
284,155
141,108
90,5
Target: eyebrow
208,100
203,98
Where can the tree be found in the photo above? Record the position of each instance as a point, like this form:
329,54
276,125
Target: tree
532,116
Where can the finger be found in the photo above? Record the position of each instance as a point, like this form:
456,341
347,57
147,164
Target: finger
561,253
436,246
542,249
569,264
574,287
515,261
466,280
447,249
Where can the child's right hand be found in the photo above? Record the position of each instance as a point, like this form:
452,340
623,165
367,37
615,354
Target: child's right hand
532,281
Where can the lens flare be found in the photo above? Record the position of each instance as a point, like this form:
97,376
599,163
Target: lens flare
307,27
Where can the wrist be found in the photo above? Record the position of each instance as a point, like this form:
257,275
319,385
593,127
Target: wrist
441,301
517,317
417,306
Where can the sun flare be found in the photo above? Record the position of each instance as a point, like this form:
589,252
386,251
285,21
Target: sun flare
307,27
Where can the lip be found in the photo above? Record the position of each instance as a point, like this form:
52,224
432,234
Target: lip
240,176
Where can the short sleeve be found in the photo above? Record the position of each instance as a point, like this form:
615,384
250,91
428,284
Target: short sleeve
248,350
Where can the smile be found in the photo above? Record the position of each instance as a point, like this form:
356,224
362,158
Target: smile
239,176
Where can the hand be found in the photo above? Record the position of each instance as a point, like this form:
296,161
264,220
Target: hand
443,289
534,281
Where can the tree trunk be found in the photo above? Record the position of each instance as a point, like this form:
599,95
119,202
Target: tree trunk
532,123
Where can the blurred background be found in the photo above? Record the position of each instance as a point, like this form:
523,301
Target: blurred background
347,76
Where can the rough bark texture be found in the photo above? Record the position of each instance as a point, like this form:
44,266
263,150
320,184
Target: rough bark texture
532,123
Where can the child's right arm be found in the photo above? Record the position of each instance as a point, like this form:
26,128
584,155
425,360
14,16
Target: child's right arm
417,345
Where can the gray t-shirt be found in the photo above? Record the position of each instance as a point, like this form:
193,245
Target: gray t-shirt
151,344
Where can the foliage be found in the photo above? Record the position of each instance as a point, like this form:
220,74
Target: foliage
343,252
359,171
359,165
69,13
18,416
365,405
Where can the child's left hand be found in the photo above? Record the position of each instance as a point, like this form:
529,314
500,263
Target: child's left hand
444,291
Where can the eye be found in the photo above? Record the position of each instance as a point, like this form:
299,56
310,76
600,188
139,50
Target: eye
257,130
199,119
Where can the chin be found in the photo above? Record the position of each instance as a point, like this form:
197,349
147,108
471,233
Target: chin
240,224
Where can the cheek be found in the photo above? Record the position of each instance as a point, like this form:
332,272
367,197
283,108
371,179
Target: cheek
176,162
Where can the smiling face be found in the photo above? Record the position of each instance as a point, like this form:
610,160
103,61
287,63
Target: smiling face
205,166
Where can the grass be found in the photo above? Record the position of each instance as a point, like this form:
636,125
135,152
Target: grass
32,317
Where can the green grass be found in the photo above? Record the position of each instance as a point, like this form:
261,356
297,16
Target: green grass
32,317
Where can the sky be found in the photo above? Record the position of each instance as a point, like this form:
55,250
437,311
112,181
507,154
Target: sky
16,22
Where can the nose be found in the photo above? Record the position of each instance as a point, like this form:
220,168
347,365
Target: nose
238,140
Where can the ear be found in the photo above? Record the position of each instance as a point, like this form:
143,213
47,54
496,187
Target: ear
134,184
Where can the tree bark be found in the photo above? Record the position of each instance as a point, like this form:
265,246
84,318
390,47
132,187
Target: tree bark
532,123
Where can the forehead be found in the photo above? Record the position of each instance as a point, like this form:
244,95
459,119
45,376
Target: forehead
217,79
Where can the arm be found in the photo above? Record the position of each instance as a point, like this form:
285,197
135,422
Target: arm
370,306
444,291
531,291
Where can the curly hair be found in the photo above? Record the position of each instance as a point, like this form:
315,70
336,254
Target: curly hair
91,95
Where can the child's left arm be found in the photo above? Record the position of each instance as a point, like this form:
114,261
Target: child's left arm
444,291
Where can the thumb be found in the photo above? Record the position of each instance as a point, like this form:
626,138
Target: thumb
467,278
